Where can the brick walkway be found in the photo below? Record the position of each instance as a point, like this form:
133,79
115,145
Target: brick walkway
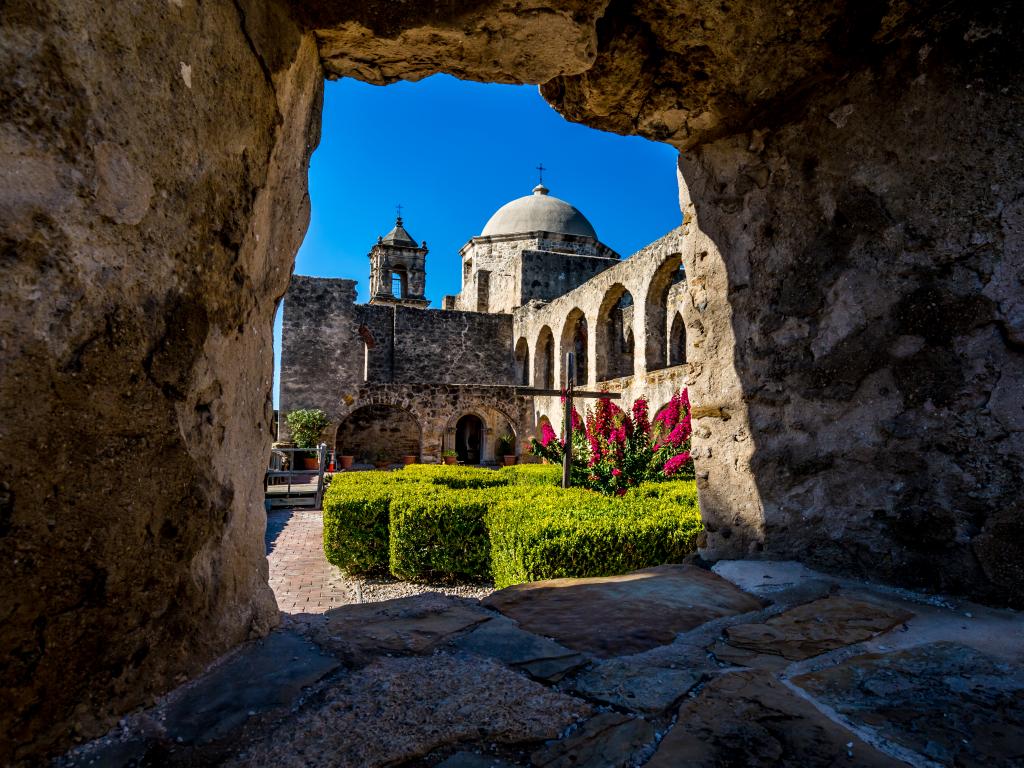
301,577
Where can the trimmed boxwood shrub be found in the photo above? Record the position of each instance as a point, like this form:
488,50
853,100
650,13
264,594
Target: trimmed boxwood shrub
559,533
355,510
438,534
532,474
437,523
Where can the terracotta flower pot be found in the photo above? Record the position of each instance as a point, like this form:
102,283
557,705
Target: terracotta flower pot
450,459
510,459
309,463
407,460
380,464
347,461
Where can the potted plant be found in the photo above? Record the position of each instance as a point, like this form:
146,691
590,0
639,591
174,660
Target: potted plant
306,425
507,449
449,456
347,461
379,459
409,459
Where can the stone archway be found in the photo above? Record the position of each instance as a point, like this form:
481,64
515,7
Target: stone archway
154,229
614,343
378,433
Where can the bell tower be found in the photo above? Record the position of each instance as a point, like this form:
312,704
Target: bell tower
398,269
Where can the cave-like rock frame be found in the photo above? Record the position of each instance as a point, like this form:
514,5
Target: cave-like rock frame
852,183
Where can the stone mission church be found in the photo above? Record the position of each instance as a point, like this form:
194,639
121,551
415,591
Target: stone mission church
399,379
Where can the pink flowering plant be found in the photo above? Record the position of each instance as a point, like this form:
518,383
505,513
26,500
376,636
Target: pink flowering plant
614,450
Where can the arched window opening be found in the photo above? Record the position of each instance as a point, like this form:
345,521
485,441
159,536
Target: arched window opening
615,334
522,362
656,314
677,341
544,359
399,285
574,339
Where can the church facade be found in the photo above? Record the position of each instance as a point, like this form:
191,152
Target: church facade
400,379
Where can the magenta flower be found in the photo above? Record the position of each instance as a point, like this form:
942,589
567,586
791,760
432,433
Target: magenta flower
676,463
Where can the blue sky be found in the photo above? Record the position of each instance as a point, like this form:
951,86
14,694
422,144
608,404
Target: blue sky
452,153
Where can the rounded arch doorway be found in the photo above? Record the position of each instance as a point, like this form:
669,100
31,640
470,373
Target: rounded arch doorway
469,436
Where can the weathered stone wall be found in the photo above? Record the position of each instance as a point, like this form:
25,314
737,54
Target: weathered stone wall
566,261
546,275
322,346
154,159
876,331
436,408
378,433
331,347
439,347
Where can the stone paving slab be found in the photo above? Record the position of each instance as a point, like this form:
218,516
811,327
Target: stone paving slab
635,686
414,624
816,627
539,657
265,675
945,701
619,615
401,709
610,740
749,718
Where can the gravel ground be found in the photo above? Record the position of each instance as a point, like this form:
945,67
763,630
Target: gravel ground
378,588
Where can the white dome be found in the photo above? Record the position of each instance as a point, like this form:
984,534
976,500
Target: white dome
538,212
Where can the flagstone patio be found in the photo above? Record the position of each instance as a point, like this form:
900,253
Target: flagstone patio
748,664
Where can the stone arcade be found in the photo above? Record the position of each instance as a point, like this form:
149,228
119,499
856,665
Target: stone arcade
398,379
851,187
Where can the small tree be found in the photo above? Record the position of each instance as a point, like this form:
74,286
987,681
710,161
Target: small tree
306,425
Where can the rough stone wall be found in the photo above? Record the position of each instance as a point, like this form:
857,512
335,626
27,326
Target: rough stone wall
546,275
439,347
564,265
377,433
437,408
867,294
155,159
322,347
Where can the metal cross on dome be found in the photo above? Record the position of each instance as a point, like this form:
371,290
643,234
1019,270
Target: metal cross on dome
398,208
540,172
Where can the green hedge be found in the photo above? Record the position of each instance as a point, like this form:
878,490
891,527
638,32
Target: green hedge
444,523
573,533
438,534
532,474
356,508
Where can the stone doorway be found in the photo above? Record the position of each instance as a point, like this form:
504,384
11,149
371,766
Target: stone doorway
469,432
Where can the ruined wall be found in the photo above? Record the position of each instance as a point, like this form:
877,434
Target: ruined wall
436,408
547,275
439,347
878,327
377,433
155,159
321,344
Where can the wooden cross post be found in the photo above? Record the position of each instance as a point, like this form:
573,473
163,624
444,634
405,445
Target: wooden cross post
570,393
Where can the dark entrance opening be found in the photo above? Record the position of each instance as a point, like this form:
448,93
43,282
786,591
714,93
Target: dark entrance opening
469,433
